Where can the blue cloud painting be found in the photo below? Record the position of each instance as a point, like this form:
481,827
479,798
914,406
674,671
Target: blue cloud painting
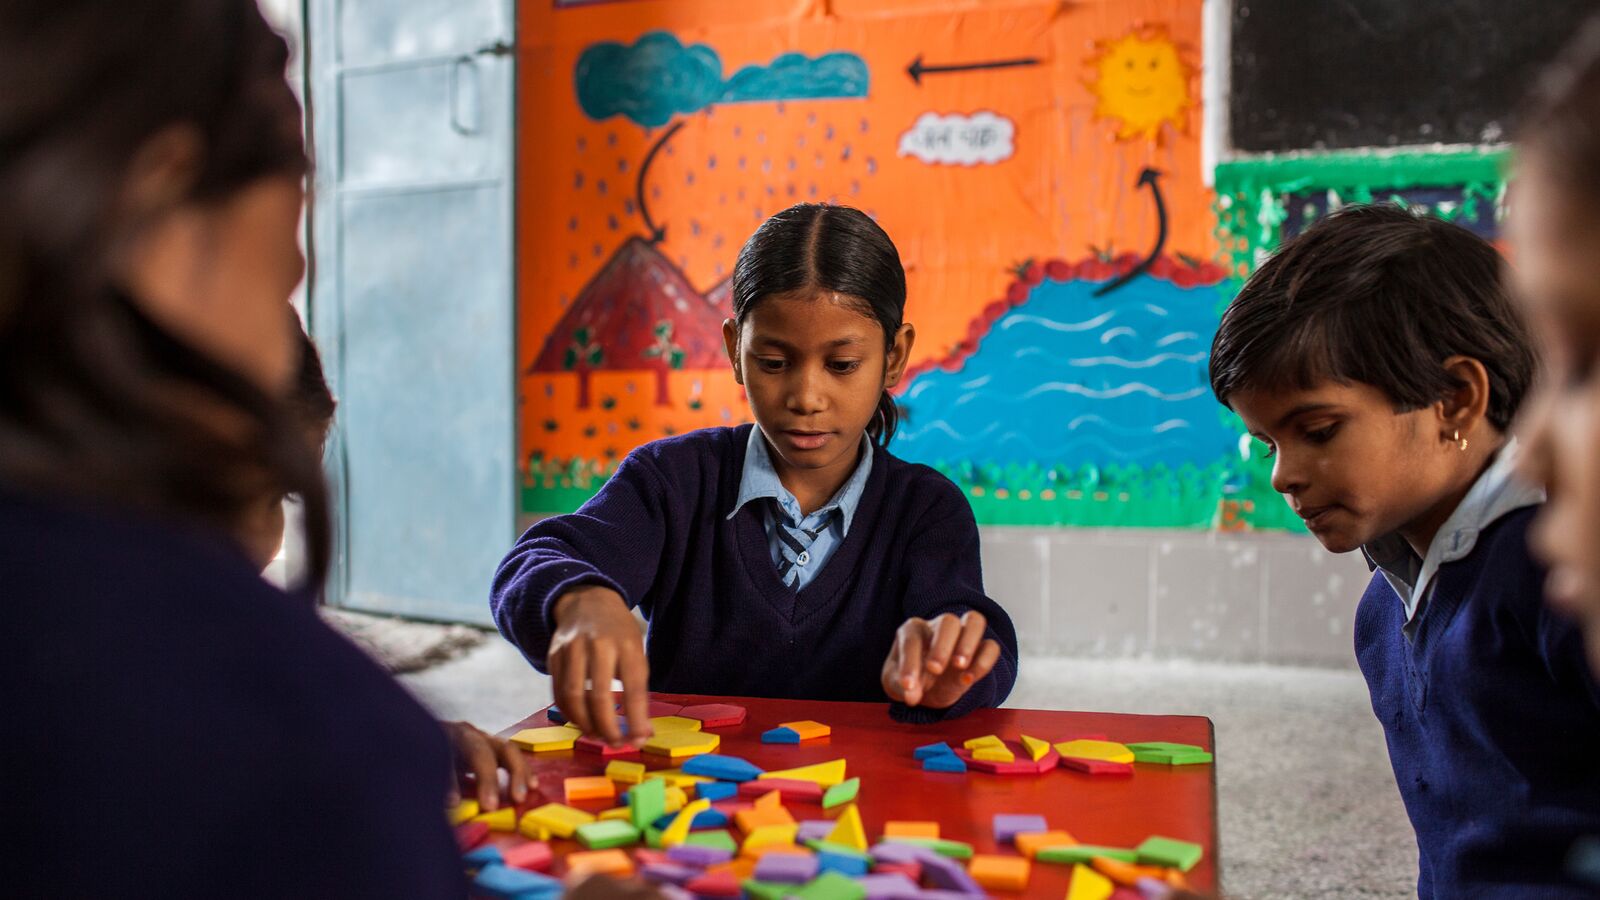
657,77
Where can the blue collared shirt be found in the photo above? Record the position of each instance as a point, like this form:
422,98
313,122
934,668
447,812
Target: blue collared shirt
831,521
1497,492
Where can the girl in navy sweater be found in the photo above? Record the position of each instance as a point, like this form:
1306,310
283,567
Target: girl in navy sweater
1380,362
792,558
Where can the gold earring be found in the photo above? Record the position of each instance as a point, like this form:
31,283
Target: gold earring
1461,440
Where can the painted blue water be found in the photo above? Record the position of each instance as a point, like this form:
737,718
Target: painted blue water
1067,379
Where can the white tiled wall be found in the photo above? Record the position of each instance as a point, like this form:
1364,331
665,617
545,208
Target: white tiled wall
1249,598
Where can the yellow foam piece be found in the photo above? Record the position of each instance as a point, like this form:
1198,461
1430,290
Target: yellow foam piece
502,819
624,772
1110,751
988,740
678,832
847,830
678,744
825,774
532,830
559,819
664,724
911,829
675,777
604,862
622,812
768,836
541,740
676,799
1031,843
1087,884
807,729
463,811
994,754
1035,747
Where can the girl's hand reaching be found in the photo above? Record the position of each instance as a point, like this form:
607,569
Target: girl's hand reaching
597,639
935,661
482,756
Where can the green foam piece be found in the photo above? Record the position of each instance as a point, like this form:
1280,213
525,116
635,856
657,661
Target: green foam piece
1165,851
1083,853
607,834
647,802
821,846
1191,758
952,849
841,793
652,838
831,886
719,839
1162,747
765,890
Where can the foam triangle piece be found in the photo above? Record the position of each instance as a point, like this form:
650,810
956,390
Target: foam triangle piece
825,774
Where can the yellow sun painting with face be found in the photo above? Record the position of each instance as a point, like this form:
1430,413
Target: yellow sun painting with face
1143,82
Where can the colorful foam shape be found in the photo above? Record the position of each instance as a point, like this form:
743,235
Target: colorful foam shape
719,840
1084,853
710,818
532,830
1030,844
950,763
788,789
665,724
715,715
487,855
832,886
675,777
463,811
699,856
763,836
911,829
1095,766
848,830
714,884
559,819
1123,873
888,886
600,748
994,754
1110,751
589,787
599,862
940,847
988,740
1087,884
502,819
625,772
678,744
514,884
1035,747
807,729
667,873
674,834
780,735
853,865
999,873
535,856
787,868
1008,825
825,774
663,708
607,834
755,817
1170,852
927,751
841,793
722,768
948,874
715,790
543,740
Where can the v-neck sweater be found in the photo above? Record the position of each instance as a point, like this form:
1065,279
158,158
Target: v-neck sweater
720,619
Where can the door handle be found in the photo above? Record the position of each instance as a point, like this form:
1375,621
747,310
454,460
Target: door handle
466,97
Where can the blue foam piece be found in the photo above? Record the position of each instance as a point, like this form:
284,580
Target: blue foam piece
722,768
487,855
944,763
515,884
709,818
716,790
780,736
850,866
927,751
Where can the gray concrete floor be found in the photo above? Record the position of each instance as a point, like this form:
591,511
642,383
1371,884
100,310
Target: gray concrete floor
1308,805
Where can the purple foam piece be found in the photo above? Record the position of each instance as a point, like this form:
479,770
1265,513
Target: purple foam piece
1153,889
949,875
815,830
673,892
692,855
888,886
667,873
890,852
786,868
1007,826
943,895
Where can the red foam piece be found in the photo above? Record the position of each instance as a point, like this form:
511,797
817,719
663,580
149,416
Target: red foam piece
715,715
645,857
1096,766
1022,765
533,856
1083,737
715,884
788,789
730,808
1126,893
603,749
471,834
663,708
911,870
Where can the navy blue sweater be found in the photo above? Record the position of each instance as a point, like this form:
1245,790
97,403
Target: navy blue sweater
1492,720
175,727
721,621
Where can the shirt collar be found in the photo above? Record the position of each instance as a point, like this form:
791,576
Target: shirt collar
759,480
1496,493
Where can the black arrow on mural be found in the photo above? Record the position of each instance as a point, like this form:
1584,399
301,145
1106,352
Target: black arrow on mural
1147,177
657,234
917,69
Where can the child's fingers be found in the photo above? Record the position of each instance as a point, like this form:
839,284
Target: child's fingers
636,692
477,757
516,766
910,641
891,676
983,661
947,630
569,678
972,626
602,703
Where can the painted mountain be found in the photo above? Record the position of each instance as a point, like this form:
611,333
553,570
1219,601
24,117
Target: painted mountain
638,313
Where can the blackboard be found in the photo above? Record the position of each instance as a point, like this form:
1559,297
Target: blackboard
1330,74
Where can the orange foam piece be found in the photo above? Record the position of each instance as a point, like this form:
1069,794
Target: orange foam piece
750,819
911,829
1126,874
604,862
770,800
807,729
1029,845
999,873
590,787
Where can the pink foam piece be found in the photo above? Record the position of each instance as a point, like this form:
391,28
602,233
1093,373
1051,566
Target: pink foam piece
715,715
1096,766
663,708
603,749
534,856
787,788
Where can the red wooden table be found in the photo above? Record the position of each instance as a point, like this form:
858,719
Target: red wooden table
1177,802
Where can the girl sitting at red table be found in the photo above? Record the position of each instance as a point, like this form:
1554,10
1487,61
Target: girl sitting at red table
793,558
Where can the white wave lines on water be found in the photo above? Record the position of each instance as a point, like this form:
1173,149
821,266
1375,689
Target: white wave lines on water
1121,390
1112,334
1177,336
1053,325
1156,360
